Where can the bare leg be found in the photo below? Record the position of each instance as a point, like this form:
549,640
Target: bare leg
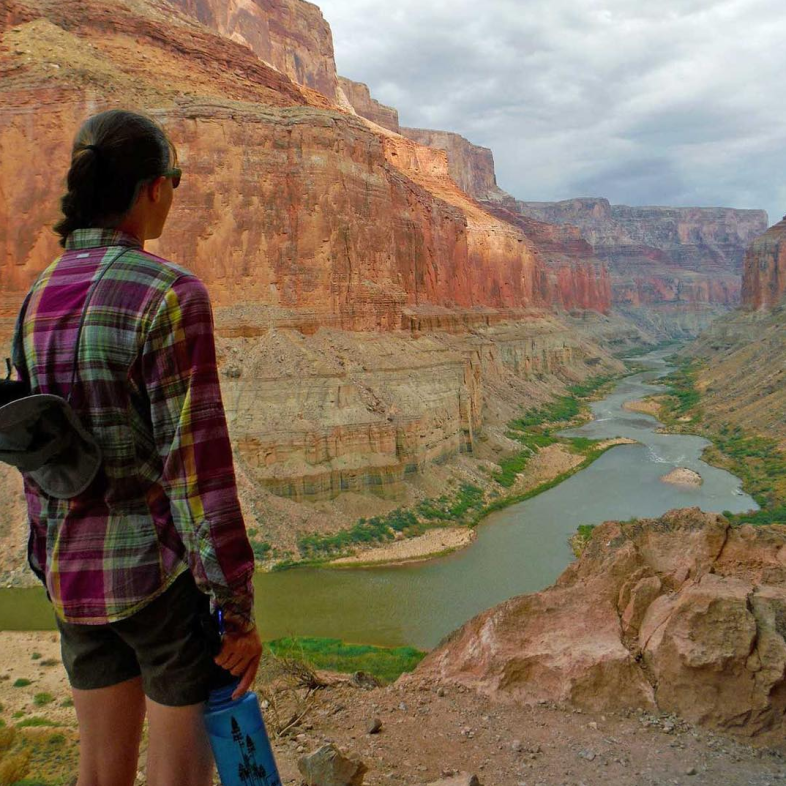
178,751
110,728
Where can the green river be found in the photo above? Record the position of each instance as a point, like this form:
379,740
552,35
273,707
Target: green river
520,549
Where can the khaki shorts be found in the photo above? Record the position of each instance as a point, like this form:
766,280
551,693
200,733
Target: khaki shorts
166,643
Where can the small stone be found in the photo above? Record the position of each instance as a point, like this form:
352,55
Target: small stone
329,767
374,726
440,692
459,779
516,746
691,771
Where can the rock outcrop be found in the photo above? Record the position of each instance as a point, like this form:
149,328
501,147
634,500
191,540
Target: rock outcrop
290,35
684,614
471,166
359,98
764,279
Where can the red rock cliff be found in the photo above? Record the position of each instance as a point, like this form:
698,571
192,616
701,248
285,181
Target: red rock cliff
359,98
764,278
661,254
291,35
576,278
471,166
287,204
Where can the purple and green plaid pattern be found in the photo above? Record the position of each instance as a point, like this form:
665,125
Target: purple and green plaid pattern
165,499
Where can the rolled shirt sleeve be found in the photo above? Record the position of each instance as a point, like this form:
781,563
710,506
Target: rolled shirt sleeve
190,430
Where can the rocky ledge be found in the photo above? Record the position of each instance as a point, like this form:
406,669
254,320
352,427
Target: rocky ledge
682,614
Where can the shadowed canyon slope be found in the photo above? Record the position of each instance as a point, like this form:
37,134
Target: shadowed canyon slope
672,269
743,380
764,280
683,614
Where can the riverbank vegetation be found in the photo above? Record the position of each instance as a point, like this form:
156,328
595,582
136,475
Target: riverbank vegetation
469,503
384,664
753,458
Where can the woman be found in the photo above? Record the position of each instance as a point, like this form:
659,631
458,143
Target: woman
132,563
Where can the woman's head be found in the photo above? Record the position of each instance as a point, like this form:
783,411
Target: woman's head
121,175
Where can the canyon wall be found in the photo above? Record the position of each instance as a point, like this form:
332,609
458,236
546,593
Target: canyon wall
674,267
372,317
290,35
359,98
471,166
307,211
577,279
764,280
672,270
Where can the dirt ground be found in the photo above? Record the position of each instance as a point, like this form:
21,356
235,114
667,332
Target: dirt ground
429,730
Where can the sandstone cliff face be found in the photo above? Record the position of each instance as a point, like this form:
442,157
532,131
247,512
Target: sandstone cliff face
303,209
764,280
658,256
672,270
575,278
683,614
471,166
290,35
359,98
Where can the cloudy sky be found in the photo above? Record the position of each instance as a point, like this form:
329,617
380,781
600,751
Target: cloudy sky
646,102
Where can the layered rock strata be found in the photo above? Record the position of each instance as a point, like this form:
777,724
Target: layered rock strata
287,203
764,279
668,265
304,221
290,35
359,98
577,279
673,270
314,416
683,614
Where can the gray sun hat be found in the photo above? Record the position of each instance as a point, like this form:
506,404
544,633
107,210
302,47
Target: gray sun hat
41,434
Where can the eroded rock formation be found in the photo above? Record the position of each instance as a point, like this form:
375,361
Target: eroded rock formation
673,270
359,98
577,279
290,35
764,280
683,613
668,265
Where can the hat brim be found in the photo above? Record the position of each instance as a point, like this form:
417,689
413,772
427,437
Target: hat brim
78,457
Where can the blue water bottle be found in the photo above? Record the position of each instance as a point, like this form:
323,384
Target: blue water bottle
239,739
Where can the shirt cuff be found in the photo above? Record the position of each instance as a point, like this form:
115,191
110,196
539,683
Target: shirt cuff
238,614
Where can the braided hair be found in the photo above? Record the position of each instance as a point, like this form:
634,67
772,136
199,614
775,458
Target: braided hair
114,152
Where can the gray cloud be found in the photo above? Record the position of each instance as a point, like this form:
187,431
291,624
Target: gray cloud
677,102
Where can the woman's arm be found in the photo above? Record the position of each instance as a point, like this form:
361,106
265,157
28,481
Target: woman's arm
189,425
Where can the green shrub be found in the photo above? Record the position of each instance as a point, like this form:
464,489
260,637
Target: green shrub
40,699
333,654
22,682
34,722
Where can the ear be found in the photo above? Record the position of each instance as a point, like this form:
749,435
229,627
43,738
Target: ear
154,189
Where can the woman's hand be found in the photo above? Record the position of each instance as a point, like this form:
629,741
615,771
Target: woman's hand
240,654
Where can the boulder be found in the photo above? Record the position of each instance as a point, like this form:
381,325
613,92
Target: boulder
328,766
682,614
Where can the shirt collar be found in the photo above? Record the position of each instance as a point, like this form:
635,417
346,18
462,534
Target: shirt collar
96,237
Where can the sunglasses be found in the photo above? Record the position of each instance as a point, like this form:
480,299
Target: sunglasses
175,174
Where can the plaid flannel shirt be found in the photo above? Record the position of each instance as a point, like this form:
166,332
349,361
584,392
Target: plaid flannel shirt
165,499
